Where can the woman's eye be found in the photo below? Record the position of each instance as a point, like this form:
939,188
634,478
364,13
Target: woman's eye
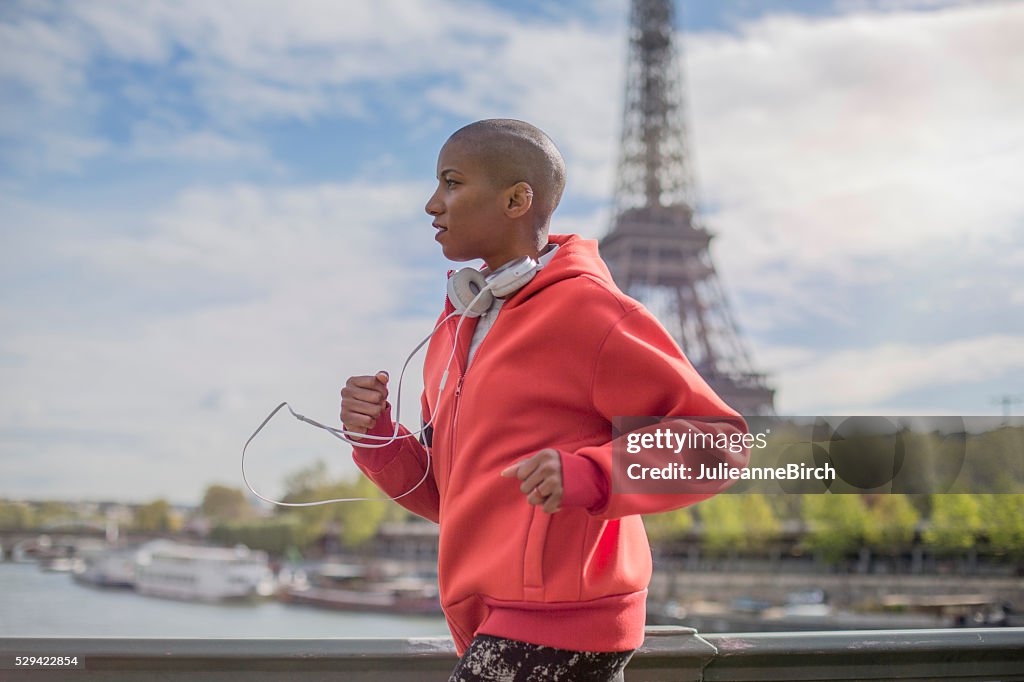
449,182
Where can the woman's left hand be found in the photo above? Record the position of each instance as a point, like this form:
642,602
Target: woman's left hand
541,477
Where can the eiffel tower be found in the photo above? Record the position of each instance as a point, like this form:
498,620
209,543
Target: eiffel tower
656,249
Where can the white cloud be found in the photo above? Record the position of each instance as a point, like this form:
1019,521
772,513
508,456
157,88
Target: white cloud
861,136
156,142
239,62
898,5
588,226
63,153
816,381
579,111
249,62
44,58
174,393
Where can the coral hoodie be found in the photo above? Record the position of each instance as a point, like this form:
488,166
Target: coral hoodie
567,354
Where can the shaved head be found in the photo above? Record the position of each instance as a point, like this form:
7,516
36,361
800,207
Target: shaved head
514,151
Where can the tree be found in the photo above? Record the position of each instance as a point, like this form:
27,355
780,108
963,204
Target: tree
52,512
16,516
360,521
302,485
760,525
722,521
891,523
741,522
954,523
1004,522
277,535
993,462
835,524
221,503
154,517
667,526
355,522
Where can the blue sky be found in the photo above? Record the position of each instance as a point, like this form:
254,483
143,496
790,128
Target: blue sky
209,207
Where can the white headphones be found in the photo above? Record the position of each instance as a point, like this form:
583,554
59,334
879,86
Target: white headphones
472,291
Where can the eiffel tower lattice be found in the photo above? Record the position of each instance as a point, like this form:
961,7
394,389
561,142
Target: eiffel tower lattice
655,248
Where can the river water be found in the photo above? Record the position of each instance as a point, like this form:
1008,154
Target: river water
38,604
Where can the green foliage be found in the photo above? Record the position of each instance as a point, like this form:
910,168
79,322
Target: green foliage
738,523
835,524
361,521
52,512
669,525
954,523
993,462
295,529
16,516
221,503
891,522
1004,522
154,517
278,535
302,485
722,521
932,462
785,507
355,522
761,525
973,463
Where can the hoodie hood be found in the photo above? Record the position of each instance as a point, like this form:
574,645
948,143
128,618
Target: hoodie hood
575,257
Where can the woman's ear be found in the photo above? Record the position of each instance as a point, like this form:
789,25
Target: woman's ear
518,200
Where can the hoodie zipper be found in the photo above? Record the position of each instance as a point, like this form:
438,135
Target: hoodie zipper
458,394
454,429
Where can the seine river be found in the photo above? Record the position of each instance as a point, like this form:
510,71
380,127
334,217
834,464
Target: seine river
38,604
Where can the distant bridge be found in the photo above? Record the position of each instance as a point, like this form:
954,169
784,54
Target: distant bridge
67,533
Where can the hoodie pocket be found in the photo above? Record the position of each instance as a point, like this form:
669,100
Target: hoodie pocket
533,556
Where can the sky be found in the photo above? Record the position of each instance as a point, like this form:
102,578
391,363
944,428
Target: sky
208,208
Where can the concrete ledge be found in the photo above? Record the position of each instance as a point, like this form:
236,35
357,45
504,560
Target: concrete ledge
669,653
950,654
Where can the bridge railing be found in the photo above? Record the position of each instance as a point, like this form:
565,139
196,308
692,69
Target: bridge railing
668,654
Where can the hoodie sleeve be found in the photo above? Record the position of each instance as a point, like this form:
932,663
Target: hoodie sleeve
398,467
640,371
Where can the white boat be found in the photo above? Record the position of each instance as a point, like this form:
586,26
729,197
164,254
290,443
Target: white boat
60,564
109,568
355,587
202,573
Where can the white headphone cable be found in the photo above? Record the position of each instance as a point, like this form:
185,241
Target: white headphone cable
347,436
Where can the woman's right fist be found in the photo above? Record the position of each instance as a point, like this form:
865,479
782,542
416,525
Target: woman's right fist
363,400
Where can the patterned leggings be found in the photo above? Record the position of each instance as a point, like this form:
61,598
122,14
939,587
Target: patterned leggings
494,659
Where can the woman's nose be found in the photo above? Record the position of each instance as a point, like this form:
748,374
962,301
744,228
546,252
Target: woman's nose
434,206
